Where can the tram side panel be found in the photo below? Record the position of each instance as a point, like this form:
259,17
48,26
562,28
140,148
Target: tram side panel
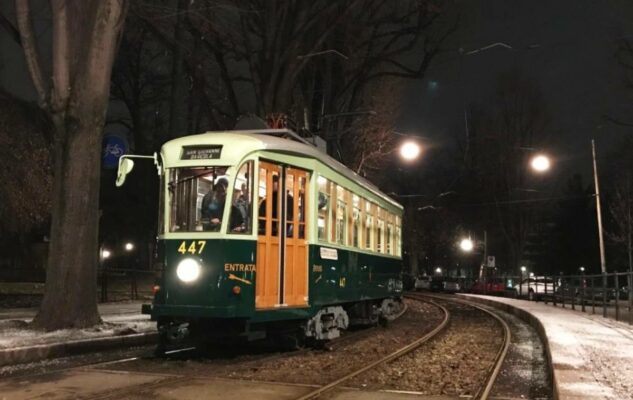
344,276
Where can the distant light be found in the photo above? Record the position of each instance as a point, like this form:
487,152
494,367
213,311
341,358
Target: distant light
129,246
410,150
433,85
531,274
540,163
582,269
438,270
523,269
467,245
105,254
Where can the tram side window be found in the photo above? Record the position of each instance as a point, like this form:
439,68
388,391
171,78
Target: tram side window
341,209
380,228
242,209
303,185
369,227
356,221
398,238
324,208
196,198
389,239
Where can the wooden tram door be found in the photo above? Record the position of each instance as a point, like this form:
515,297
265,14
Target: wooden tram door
282,249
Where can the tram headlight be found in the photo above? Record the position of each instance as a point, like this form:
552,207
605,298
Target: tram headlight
188,270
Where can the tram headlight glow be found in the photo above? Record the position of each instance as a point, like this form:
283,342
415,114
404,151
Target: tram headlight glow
188,270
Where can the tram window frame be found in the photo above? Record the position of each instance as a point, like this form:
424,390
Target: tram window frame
341,216
246,227
380,227
187,189
323,212
369,228
390,238
356,217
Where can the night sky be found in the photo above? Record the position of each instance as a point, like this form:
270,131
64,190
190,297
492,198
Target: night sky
566,46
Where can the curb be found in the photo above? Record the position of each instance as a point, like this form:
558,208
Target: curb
531,320
20,355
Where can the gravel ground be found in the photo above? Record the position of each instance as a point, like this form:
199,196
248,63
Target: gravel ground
454,364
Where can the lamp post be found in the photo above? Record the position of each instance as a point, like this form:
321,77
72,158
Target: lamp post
603,263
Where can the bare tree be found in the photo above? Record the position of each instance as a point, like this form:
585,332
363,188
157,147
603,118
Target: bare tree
504,135
85,35
304,59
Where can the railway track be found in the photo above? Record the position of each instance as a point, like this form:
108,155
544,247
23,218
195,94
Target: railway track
484,392
397,354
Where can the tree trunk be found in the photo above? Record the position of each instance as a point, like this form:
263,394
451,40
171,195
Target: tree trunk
74,231
178,116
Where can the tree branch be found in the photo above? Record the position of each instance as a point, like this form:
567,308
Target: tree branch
27,37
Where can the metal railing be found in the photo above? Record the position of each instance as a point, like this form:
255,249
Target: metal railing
610,294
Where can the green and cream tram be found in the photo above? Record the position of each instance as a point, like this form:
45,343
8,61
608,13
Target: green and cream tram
262,235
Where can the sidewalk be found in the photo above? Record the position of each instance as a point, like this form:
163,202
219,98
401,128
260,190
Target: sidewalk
591,357
123,325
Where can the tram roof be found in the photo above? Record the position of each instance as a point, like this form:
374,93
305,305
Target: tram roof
258,140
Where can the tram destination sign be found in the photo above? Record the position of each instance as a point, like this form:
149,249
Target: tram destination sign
201,152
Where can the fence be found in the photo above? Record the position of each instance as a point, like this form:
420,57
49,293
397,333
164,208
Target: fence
125,284
610,293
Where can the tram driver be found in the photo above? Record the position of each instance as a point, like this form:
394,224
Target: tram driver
212,208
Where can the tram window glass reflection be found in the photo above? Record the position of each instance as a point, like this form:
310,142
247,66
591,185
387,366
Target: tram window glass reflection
355,221
197,198
340,215
380,227
369,227
301,207
241,209
389,239
324,208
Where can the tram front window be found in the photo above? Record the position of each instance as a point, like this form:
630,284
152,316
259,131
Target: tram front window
197,198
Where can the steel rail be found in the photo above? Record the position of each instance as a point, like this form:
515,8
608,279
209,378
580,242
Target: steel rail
398,353
484,391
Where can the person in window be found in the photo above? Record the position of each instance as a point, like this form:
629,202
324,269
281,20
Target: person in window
213,206
213,209
275,216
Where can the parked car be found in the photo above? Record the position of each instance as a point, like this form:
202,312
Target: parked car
423,283
579,289
437,284
623,293
492,286
535,288
451,285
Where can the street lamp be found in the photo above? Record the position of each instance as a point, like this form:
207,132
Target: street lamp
105,254
129,246
467,245
438,270
540,163
410,150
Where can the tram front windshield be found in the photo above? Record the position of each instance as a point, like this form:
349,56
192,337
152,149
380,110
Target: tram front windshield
197,198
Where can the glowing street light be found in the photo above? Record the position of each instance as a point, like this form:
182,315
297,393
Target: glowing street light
129,246
467,245
105,254
540,163
410,150
438,270
523,269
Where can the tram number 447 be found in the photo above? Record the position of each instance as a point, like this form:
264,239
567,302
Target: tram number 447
195,247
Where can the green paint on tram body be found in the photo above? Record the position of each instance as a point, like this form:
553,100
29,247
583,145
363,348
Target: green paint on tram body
336,276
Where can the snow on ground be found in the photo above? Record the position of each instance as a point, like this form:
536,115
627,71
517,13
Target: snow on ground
15,333
592,357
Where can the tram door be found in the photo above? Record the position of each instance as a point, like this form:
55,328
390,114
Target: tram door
282,249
